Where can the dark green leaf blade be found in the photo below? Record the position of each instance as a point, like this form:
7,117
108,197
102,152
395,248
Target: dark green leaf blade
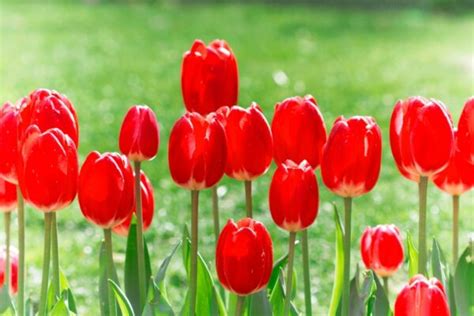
339,265
464,282
122,300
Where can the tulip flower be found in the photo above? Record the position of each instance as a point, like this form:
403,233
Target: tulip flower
422,297
197,157
9,122
7,204
9,269
350,167
244,258
249,145
422,141
466,131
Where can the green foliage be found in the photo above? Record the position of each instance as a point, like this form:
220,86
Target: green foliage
278,295
103,280
464,282
124,304
6,304
66,297
412,257
339,264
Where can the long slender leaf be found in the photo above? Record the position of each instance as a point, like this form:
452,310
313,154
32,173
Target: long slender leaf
464,282
6,304
259,304
362,296
277,298
339,265
60,309
122,300
277,266
157,304
439,266
382,304
412,257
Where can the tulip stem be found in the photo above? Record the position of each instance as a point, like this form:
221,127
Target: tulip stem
21,252
55,255
215,211
248,198
289,272
422,190
7,249
307,280
385,286
239,307
194,251
140,243
46,263
347,255
455,229
110,269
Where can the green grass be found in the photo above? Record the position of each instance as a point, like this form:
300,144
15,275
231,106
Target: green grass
107,58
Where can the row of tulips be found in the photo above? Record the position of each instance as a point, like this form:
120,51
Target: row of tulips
38,153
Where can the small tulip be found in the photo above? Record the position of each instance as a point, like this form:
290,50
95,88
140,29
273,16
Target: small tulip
249,141
421,137
148,207
294,196
13,269
7,196
209,77
351,159
466,131
139,135
244,256
105,193
197,151
381,249
299,132
422,297
9,122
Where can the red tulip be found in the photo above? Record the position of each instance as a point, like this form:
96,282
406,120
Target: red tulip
209,77
294,196
48,169
13,268
350,165
244,256
381,249
249,141
7,196
148,207
466,131
139,135
422,297
197,151
105,193
9,121
421,137
299,132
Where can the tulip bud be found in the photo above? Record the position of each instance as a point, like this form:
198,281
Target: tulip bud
422,297
421,137
466,131
209,77
352,155
9,122
299,132
381,249
7,196
244,256
139,135
148,207
249,141
294,196
106,189
197,151
13,268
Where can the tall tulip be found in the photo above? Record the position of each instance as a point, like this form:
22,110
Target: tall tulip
421,138
197,157
9,269
244,258
350,167
7,204
422,297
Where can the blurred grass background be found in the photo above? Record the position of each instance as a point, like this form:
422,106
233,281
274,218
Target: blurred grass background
106,58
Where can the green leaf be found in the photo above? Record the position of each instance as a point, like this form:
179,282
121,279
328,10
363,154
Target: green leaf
439,266
6,304
103,283
29,308
259,304
65,291
451,297
160,276
157,304
277,266
122,300
60,309
339,265
381,305
464,282
277,298
412,257
362,296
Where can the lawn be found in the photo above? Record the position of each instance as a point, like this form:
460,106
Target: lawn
107,58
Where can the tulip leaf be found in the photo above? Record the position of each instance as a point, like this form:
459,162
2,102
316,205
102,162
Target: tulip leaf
103,283
339,265
277,266
122,300
451,297
157,304
381,305
439,267
259,304
65,291
6,304
362,296
412,257
29,308
277,298
60,309
464,282
160,276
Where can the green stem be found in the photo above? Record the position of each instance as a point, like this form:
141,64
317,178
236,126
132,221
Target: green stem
307,280
55,252
140,243
46,263
7,249
110,269
422,257
455,229
215,211
21,252
239,307
347,255
194,251
385,286
289,275
248,198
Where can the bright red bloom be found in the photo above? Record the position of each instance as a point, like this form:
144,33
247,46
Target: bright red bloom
299,132
209,77
244,256
139,135
197,151
351,159
48,169
7,196
466,131
13,268
249,141
148,207
9,122
421,137
422,297
106,189
294,196
381,249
